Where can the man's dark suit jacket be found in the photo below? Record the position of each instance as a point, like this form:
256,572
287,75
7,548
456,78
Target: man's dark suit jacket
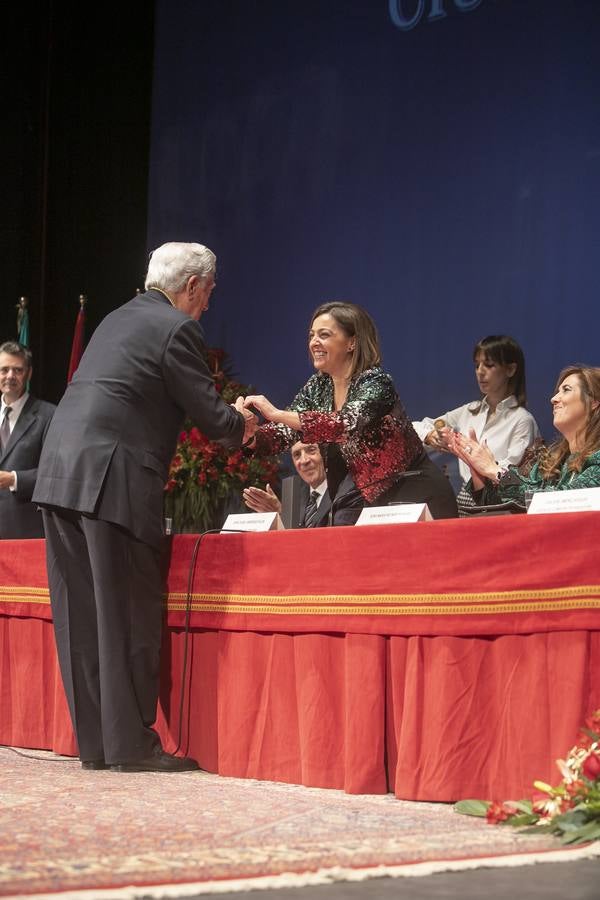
322,509
114,433
19,517
347,505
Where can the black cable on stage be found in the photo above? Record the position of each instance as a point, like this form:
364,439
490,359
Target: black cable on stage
64,759
188,612
186,631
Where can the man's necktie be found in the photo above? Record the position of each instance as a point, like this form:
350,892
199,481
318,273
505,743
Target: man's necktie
310,513
5,428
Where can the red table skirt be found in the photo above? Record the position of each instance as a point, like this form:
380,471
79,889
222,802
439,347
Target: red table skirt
439,660
429,718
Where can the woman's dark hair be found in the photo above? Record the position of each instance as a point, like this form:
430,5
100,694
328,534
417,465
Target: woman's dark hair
357,323
552,460
504,351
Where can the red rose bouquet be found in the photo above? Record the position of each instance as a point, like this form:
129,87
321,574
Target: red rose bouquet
570,810
203,475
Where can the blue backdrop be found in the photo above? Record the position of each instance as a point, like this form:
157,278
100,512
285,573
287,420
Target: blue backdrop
437,161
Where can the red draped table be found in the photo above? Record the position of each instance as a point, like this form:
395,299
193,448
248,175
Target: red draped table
440,660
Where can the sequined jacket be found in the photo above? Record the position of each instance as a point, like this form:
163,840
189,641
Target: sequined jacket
374,435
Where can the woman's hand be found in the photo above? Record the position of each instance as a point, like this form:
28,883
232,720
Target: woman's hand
438,438
250,422
261,501
264,407
478,457
271,413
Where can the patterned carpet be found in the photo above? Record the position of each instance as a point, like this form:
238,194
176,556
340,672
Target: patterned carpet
66,830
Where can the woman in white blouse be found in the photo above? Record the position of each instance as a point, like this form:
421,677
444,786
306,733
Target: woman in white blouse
499,417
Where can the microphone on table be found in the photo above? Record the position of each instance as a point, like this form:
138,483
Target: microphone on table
357,492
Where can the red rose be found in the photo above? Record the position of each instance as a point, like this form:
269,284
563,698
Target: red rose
591,766
574,788
566,803
496,814
499,812
195,438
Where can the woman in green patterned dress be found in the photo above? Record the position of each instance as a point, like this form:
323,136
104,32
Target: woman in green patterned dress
573,461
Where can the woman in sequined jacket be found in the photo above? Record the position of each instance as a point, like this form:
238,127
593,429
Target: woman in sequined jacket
351,408
573,461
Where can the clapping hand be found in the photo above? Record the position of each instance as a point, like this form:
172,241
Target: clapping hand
438,438
477,456
262,501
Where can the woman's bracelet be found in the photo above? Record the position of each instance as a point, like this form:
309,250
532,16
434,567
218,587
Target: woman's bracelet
501,473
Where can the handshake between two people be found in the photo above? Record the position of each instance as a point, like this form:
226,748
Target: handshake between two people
307,458
250,421
269,412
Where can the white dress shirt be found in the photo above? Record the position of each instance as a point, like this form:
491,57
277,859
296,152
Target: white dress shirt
509,431
320,489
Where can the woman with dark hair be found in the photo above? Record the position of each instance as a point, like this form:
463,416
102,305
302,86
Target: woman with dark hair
499,416
350,407
573,461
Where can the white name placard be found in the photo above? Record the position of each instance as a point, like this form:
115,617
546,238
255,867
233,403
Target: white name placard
580,500
270,521
389,515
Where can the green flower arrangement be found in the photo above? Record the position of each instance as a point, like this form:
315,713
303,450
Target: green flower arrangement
204,477
571,810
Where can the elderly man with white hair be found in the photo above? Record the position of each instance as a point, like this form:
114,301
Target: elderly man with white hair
101,481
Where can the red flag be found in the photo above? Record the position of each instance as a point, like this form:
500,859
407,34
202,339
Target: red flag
78,337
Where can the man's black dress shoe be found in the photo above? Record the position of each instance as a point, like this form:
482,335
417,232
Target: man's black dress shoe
158,761
93,764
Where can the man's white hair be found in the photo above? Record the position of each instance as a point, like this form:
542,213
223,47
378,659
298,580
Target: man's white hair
172,264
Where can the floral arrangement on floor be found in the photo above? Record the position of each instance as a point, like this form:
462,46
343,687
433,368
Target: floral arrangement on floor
570,810
204,477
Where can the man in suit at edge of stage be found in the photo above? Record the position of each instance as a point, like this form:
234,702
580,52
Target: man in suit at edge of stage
311,468
101,482
24,421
